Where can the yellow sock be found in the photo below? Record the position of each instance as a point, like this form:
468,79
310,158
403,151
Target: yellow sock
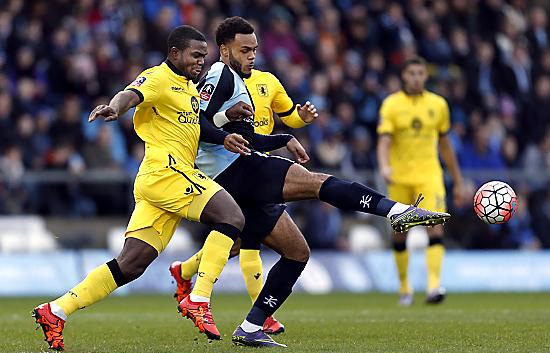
251,267
215,254
97,285
402,263
434,259
190,267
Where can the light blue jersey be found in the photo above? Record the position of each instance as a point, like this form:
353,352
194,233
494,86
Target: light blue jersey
220,89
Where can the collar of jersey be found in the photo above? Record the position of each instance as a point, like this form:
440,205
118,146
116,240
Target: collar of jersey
174,68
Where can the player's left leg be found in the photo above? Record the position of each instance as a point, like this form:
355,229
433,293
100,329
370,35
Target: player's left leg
434,192
301,184
289,242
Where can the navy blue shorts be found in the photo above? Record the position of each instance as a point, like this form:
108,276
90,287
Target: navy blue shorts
256,183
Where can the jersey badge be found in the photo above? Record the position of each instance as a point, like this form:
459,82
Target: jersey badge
262,89
206,91
138,81
195,104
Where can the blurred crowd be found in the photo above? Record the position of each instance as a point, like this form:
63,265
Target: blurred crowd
489,58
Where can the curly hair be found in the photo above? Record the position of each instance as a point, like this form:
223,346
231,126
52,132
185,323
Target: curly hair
230,27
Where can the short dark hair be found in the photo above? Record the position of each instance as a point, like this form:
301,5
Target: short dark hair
180,37
415,60
230,27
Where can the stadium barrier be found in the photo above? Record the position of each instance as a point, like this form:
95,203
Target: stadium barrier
463,271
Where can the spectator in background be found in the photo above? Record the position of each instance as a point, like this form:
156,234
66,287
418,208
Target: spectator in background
98,153
538,33
541,216
483,76
12,193
323,225
536,158
479,154
434,47
536,119
279,40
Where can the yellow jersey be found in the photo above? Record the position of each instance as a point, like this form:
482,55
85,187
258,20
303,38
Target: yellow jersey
415,124
167,119
269,96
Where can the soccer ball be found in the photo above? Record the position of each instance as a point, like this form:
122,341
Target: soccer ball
495,202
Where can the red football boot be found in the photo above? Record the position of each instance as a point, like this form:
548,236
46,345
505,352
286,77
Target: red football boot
51,325
272,326
184,286
201,316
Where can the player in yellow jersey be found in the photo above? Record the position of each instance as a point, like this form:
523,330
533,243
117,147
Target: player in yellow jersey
167,187
413,124
269,98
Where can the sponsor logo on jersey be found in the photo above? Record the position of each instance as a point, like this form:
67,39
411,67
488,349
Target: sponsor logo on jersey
177,89
206,91
138,81
263,122
188,118
195,104
262,89
416,125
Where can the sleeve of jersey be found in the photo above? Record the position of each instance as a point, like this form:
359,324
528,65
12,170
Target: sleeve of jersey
385,124
209,133
285,108
214,90
266,143
147,86
445,122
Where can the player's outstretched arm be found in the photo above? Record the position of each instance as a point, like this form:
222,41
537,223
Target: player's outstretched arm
120,104
232,142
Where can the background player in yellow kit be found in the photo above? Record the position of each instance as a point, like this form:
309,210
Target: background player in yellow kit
413,124
167,187
269,98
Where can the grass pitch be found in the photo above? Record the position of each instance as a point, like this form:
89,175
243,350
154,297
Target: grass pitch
332,323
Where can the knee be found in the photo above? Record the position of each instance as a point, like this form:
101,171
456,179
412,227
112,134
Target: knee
131,268
236,218
303,254
298,253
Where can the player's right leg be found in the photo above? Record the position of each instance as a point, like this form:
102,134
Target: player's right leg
134,258
221,212
289,242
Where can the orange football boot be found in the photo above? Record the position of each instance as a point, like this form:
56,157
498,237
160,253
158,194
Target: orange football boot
51,325
184,286
201,316
272,326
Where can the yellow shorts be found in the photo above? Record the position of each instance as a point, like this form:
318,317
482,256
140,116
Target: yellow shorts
164,197
433,192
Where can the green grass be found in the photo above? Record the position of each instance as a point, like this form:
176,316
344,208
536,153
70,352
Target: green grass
333,323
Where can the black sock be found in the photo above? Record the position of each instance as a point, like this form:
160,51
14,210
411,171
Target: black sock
351,196
435,241
276,289
397,246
